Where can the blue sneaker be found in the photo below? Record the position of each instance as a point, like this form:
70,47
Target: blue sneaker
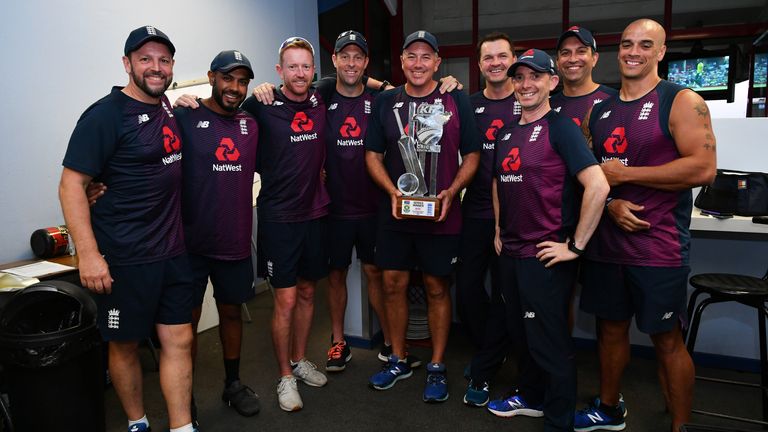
393,371
477,395
592,418
514,405
436,389
139,427
596,403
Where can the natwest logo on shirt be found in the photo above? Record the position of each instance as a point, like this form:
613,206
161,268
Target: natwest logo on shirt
350,128
616,142
302,123
226,151
171,144
510,164
494,127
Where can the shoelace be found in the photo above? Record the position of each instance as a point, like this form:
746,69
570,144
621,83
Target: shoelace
436,378
336,350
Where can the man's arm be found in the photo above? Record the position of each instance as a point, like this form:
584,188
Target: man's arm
595,190
691,128
94,271
495,199
467,170
378,172
585,128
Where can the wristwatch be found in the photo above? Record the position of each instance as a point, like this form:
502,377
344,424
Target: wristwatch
384,85
572,247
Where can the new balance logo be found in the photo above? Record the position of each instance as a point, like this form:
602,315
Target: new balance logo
143,118
595,417
529,315
557,109
535,134
506,137
203,124
277,103
605,115
667,316
646,111
454,260
333,106
398,105
479,110
113,318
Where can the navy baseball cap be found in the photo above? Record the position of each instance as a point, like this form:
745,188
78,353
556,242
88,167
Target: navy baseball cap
584,35
535,59
144,34
351,37
421,36
226,61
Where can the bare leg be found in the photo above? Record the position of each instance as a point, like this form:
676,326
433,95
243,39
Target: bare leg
176,371
613,348
125,372
396,308
373,275
230,329
282,316
337,302
196,313
677,366
439,313
302,317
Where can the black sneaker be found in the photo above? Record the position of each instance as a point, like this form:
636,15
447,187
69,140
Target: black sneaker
240,397
338,356
386,351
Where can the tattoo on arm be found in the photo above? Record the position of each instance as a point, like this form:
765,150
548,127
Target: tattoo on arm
701,109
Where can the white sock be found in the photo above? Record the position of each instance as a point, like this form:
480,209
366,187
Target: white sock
185,428
141,420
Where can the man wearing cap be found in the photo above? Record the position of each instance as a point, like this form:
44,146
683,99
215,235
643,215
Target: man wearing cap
482,315
220,143
540,230
131,242
431,245
655,142
292,209
576,57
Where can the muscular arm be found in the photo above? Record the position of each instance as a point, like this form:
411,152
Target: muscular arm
691,128
469,164
94,271
375,163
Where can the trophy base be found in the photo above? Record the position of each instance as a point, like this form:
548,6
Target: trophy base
418,207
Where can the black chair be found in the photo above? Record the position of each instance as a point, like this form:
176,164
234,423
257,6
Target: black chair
747,290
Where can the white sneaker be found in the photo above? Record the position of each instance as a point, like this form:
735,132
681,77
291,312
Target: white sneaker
288,394
306,371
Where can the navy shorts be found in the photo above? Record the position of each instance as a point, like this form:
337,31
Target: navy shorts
144,295
292,250
232,280
345,234
656,296
434,254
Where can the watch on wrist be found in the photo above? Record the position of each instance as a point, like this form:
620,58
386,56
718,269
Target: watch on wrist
384,85
572,247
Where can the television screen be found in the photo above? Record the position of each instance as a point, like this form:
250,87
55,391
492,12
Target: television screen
761,69
700,74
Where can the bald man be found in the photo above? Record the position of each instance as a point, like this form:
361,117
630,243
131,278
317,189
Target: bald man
655,142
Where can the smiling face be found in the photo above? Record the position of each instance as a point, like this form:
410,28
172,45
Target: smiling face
150,69
350,63
229,89
575,61
496,57
532,88
641,49
296,69
419,62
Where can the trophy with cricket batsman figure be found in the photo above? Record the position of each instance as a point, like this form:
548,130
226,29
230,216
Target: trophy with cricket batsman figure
425,129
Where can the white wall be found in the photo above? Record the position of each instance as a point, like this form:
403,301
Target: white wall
59,57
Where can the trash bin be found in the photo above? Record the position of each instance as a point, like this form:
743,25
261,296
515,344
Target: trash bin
50,350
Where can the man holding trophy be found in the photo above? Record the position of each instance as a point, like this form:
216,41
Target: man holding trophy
413,144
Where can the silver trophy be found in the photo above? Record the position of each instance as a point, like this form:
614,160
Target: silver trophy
425,129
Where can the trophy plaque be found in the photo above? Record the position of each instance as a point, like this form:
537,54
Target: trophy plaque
425,129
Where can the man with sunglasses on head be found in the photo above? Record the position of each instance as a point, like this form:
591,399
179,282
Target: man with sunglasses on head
292,208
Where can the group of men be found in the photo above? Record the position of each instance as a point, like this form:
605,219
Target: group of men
329,156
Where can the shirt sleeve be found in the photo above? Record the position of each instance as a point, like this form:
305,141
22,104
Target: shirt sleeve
570,144
470,139
94,139
375,138
325,87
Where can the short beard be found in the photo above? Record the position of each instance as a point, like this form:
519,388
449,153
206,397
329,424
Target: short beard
142,84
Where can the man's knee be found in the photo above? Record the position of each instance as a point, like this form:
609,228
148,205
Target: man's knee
230,312
668,343
614,331
175,336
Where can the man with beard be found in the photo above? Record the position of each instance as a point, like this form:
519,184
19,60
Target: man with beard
482,315
217,209
655,142
431,245
576,58
292,209
131,243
